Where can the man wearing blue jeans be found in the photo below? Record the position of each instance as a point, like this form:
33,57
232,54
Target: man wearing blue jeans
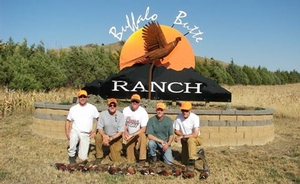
160,134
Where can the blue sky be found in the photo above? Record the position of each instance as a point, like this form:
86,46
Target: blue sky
251,32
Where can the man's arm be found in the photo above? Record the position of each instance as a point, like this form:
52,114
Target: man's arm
167,144
152,137
178,135
94,132
67,128
116,135
171,138
178,132
141,130
105,137
195,133
126,133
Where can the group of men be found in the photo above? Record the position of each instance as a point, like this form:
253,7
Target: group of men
133,128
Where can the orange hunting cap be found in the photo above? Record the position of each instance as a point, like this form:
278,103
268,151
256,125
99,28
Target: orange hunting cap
135,97
161,106
112,100
186,106
82,93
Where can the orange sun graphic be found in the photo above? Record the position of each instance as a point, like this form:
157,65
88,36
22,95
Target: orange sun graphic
181,57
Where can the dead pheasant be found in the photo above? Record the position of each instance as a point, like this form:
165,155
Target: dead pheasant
176,171
114,170
61,166
188,174
129,170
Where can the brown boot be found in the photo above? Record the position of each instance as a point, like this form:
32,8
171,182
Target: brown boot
141,163
153,159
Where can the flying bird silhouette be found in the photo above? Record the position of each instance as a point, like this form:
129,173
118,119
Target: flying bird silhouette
156,48
155,45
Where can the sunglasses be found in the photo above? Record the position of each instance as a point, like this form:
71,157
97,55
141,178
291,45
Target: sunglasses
184,110
135,101
112,105
82,96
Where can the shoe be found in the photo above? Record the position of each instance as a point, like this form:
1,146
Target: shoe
141,163
153,159
191,162
98,160
201,152
72,160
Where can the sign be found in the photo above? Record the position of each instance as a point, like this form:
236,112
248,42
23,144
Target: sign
157,62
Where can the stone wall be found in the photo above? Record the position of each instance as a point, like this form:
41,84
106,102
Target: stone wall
218,127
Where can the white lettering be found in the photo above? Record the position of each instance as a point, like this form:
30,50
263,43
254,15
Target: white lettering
170,87
132,24
197,87
116,85
139,85
181,14
162,89
185,87
195,34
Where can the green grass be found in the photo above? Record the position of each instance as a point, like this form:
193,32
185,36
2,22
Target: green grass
3,174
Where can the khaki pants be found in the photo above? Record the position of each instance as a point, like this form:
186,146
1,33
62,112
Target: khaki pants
137,142
115,148
189,148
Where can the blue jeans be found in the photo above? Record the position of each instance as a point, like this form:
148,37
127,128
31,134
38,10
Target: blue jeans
167,155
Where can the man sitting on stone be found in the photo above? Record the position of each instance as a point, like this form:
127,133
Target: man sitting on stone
160,134
187,130
110,129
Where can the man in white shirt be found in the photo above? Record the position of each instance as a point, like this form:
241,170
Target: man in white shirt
136,119
82,116
187,129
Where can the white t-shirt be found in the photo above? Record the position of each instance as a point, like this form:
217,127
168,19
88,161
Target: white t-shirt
187,125
83,117
134,120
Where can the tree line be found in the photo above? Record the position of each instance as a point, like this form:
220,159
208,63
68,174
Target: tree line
233,74
34,67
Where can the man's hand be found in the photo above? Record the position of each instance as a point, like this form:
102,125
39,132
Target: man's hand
106,140
68,135
92,134
128,136
178,138
165,146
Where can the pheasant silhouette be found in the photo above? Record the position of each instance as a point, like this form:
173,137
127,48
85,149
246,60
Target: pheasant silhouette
155,44
156,47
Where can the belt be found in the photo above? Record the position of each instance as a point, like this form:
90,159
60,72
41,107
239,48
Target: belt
85,132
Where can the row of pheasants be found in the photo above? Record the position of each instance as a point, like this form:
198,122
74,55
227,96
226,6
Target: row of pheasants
130,169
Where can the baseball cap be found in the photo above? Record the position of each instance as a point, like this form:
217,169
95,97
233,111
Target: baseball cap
160,106
112,100
82,93
186,106
135,97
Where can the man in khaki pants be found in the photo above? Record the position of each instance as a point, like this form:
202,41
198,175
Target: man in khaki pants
187,130
136,119
110,129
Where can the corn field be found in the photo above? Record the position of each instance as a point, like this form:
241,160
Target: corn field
284,99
